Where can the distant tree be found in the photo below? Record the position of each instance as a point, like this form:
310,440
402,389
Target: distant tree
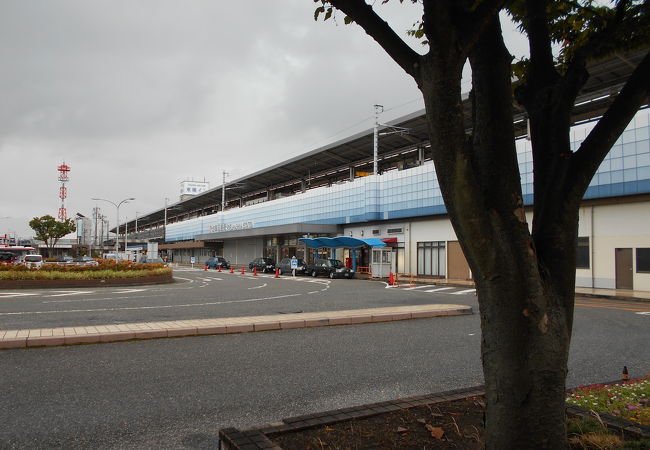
50,230
525,277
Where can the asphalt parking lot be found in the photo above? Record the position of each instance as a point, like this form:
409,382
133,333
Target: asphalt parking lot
198,294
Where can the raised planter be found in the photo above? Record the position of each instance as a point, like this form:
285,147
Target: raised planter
262,437
98,282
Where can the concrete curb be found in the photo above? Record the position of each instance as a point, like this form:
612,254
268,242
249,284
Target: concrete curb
51,337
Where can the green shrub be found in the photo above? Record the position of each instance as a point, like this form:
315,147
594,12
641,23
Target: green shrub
104,264
90,273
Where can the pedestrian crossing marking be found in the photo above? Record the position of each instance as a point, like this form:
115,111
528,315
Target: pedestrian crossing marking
466,291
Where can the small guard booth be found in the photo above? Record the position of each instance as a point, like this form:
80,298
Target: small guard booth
381,255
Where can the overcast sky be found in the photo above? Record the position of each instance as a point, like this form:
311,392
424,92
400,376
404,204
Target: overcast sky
137,96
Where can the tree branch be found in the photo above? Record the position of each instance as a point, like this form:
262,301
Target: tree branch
539,38
480,19
381,32
600,140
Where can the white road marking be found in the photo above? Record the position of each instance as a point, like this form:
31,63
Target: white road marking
126,291
66,293
135,308
15,294
313,292
417,287
257,287
644,313
466,291
186,279
439,289
85,300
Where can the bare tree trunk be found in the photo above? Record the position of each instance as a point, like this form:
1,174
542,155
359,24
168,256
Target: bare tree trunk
525,306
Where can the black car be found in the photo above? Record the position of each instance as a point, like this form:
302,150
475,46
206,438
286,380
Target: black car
332,268
216,261
262,264
284,266
7,257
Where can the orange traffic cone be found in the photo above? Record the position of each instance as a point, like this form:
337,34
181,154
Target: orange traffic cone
205,267
277,273
255,271
391,279
218,267
242,270
232,270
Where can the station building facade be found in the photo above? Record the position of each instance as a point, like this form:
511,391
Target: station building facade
404,208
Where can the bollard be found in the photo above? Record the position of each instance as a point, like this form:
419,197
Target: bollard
277,273
625,376
255,271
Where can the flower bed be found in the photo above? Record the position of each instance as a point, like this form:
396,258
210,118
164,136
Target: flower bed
106,269
107,272
628,400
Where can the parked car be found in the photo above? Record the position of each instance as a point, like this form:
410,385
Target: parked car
85,261
64,260
332,268
284,266
32,261
263,264
216,261
7,257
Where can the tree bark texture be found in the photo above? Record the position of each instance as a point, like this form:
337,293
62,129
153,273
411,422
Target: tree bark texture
524,322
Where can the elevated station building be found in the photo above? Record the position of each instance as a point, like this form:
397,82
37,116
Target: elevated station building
332,191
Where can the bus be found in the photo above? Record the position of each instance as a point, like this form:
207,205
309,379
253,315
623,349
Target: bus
12,254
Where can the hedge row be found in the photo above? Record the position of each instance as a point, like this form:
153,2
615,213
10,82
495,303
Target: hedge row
92,273
104,265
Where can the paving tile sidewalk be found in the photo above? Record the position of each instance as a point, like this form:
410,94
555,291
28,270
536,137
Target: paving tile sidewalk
615,294
46,337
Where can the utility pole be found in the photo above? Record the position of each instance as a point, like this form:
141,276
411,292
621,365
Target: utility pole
375,153
165,226
223,191
126,239
95,213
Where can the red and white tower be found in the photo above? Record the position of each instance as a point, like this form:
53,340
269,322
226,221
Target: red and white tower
63,191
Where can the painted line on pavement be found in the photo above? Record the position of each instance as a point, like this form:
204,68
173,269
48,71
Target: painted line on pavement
135,308
417,287
77,300
15,294
258,287
439,289
65,293
466,291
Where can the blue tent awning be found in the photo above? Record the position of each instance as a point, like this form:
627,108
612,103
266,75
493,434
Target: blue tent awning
342,241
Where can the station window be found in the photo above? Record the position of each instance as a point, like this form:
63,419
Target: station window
582,253
432,258
394,230
643,260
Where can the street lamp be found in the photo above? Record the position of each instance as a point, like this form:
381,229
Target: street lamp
117,228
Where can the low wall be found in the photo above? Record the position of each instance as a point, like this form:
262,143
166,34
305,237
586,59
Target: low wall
99,282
